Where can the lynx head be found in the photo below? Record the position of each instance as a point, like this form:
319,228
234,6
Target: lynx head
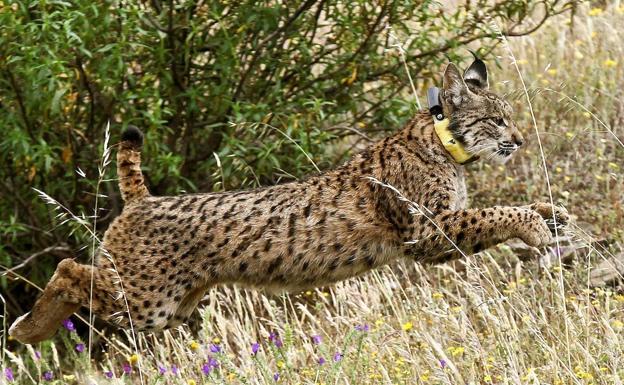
479,119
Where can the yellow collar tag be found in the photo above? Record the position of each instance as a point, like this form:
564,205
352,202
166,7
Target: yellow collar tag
453,147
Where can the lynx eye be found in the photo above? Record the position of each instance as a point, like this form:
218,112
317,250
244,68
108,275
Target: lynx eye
500,122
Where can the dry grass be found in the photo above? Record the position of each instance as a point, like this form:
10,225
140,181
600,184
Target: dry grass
499,320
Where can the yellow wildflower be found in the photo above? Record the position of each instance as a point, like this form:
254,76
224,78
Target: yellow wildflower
216,340
609,63
280,364
437,295
582,374
617,324
552,71
191,382
619,297
595,12
424,376
456,350
379,322
133,359
408,326
194,345
530,373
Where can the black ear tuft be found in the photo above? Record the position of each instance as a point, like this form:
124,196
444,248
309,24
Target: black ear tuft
132,135
476,75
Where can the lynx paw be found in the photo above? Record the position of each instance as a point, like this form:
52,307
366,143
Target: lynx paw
546,210
535,232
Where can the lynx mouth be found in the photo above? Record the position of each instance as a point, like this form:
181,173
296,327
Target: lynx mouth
504,152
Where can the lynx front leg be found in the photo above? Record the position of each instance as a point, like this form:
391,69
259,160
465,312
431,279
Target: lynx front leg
474,230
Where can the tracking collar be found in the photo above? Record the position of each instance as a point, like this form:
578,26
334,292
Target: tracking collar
441,123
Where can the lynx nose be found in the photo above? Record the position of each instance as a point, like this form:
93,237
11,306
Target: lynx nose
517,139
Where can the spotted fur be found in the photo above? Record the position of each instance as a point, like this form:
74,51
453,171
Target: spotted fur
163,253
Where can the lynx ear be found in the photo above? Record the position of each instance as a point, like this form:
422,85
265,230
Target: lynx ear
455,90
476,75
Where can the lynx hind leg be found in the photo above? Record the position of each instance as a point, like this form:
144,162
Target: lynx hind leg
63,296
187,307
194,323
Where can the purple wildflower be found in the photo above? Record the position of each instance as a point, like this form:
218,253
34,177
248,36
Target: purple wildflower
321,361
254,348
316,339
69,325
37,354
127,368
8,373
109,374
274,337
214,348
48,375
276,376
443,364
162,370
362,328
337,356
174,370
211,364
80,348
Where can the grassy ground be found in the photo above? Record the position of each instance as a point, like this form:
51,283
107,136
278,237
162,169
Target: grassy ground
498,320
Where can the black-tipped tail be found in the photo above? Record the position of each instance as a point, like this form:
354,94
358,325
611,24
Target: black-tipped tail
131,182
133,136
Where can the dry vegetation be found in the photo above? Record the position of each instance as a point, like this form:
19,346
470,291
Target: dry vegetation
498,320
